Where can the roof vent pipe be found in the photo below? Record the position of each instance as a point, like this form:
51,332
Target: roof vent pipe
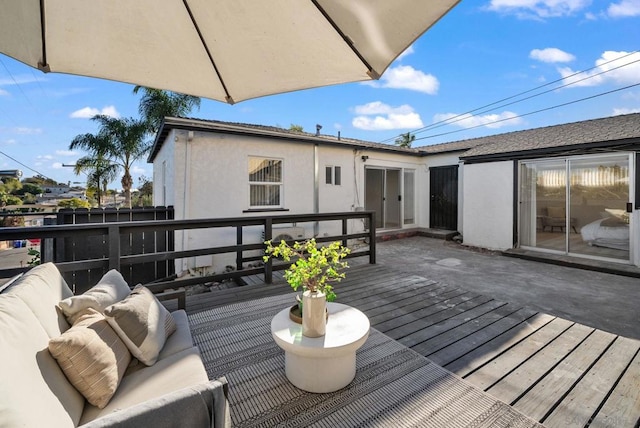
318,128
338,135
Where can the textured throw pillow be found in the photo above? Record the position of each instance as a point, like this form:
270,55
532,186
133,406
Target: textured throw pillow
92,356
110,289
142,323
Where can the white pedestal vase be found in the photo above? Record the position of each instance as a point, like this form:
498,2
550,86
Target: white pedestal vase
314,314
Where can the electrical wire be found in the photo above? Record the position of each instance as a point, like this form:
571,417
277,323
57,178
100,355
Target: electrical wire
27,167
532,112
463,116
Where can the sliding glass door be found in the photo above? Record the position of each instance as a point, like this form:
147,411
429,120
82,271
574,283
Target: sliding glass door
577,206
391,194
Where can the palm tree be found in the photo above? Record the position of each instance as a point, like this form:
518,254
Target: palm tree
100,172
118,141
156,104
405,140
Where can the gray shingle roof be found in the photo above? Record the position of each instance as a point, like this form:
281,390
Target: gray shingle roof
609,129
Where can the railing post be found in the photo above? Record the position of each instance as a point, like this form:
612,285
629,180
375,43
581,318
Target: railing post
344,232
114,247
268,266
372,238
239,252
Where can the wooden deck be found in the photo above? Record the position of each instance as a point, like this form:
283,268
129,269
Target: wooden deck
558,372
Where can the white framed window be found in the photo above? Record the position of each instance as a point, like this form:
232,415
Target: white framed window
333,175
265,182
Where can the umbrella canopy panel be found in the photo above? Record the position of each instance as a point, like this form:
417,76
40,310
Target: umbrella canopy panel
228,50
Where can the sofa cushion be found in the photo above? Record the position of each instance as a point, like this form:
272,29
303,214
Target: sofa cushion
181,339
41,288
143,323
178,371
92,356
34,391
111,289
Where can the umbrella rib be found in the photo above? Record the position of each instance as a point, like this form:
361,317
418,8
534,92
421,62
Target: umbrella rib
228,97
42,65
370,71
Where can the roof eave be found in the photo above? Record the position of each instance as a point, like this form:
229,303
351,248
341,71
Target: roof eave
627,144
170,123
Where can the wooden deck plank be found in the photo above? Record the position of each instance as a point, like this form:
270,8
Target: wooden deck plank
545,395
498,367
534,360
431,315
585,398
516,383
466,329
438,311
421,334
486,352
463,346
401,290
623,406
413,304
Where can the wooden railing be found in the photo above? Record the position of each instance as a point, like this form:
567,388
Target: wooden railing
113,234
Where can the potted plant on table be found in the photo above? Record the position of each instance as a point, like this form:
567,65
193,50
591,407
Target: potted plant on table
314,269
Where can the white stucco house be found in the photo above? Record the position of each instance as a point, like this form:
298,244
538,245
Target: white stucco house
565,189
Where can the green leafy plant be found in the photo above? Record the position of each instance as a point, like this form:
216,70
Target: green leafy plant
35,257
314,268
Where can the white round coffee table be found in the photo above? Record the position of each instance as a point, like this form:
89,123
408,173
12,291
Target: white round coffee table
327,363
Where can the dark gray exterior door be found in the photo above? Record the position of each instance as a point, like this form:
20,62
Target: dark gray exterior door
444,197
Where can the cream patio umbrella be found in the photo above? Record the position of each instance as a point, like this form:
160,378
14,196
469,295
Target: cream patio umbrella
227,50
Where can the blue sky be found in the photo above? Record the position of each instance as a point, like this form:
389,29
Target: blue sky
480,53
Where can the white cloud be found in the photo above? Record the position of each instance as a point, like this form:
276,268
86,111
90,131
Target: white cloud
551,55
57,165
20,80
624,9
378,107
135,169
538,9
493,121
407,77
407,51
66,153
47,157
377,116
22,130
89,112
3,93
623,75
619,111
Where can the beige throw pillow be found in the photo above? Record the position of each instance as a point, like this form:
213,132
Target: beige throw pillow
142,323
110,289
92,356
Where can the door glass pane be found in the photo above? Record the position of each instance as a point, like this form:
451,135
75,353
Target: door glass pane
599,192
550,204
374,187
528,218
392,199
409,196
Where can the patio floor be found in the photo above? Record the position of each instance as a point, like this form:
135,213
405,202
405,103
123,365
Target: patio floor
558,372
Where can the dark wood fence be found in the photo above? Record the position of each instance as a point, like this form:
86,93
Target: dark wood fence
125,253
146,241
